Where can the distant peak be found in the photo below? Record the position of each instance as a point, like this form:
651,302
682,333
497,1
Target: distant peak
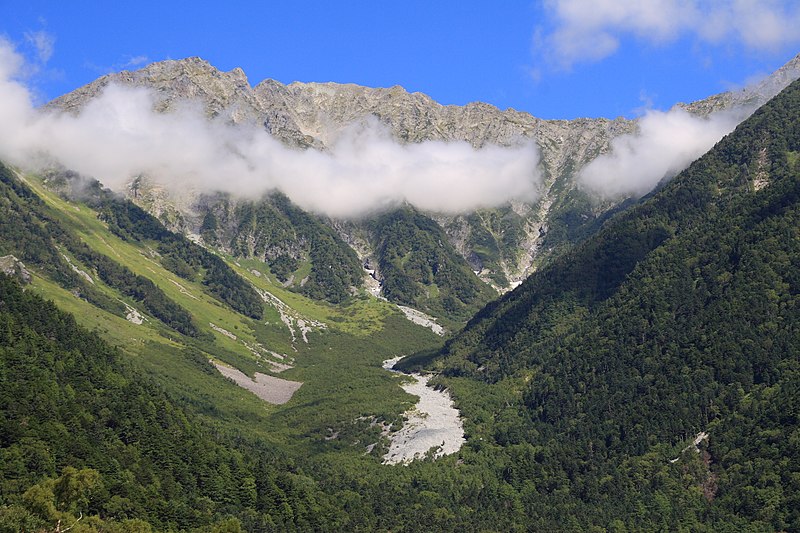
187,64
193,60
239,76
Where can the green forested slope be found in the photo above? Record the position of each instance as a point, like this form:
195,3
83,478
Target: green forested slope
298,247
681,315
420,267
30,231
582,392
84,432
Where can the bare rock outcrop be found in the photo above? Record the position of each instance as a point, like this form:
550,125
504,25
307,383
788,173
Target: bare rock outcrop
11,266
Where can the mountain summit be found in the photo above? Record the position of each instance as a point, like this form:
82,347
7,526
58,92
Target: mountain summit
501,245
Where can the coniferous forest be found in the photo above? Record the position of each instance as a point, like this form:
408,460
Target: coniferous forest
646,379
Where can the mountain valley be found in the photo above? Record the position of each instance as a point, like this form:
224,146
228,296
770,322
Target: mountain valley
177,358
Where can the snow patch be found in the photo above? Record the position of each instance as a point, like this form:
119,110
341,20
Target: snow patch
78,271
290,317
183,290
270,389
221,330
700,437
133,315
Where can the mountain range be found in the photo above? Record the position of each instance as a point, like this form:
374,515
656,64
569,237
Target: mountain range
199,361
502,245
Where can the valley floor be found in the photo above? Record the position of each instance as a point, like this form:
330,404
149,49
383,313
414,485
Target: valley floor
433,424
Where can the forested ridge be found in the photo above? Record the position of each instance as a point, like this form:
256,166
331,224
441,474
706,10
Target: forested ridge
31,232
299,248
420,267
648,380
177,253
680,316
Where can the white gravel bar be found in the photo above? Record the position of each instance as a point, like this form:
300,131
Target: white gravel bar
433,424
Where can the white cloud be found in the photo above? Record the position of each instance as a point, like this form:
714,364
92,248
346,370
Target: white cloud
667,142
118,136
590,30
135,61
43,42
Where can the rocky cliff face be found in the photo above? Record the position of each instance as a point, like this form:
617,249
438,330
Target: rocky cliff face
501,245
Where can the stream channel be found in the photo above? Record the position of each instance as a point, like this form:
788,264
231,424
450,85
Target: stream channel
432,423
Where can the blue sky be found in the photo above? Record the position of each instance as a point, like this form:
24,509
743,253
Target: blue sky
552,58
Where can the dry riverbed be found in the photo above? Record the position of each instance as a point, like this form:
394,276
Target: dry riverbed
433,424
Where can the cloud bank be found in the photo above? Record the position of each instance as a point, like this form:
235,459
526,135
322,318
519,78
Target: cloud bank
118,136
666,143
590,30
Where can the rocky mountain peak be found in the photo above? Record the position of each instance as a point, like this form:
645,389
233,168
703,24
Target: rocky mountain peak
191,78
750,96
312,115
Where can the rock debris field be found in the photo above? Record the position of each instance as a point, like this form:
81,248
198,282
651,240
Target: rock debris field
270,389
433,423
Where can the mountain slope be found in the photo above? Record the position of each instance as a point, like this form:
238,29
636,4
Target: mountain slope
298,247
313,114
86,433
151,291
420,268
680,316
756,163
148,433
502,245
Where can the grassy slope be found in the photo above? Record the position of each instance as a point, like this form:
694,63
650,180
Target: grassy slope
339,366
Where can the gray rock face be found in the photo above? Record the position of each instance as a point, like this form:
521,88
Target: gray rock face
504,244
173,81
11,266
753,96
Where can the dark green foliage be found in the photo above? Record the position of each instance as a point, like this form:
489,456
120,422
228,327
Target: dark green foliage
495,235
757,451
283,266
209,227
127,220
420,268
287,238
261,231
137,287
682,314
334,265
68,401
180,255
571,219
29,231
